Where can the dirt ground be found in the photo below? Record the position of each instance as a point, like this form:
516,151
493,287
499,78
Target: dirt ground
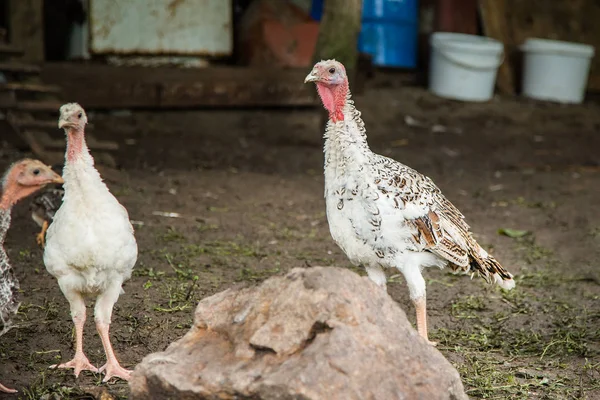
248,187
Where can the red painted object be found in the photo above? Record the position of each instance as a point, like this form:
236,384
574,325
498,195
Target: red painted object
277,33
456,16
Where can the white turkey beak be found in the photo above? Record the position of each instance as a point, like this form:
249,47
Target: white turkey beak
62,123
312,77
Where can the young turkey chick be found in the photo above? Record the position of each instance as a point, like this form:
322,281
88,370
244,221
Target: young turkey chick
384,214
90,245
44,205
22,179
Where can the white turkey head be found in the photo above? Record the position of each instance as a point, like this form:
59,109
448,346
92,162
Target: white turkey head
72,116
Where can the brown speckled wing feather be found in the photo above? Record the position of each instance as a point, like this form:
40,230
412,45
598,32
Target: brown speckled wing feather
455,242
438,241
442,229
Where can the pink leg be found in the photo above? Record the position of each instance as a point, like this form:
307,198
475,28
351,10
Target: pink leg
112,366
421,307
80,362
4,389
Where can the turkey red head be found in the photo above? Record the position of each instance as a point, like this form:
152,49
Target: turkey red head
332,86
24,178
72,116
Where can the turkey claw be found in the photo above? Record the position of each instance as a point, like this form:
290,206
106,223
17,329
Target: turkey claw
115,370
79,363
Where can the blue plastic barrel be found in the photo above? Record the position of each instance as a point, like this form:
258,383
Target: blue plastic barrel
389,31
316,9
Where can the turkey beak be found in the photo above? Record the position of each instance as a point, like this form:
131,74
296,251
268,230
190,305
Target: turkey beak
62,123
312,77
58,179
53,177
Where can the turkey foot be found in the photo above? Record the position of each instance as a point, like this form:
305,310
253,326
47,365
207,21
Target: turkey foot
114,369
4,389
79,363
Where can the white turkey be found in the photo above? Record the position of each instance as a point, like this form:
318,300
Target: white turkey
90,244
22,179
382,213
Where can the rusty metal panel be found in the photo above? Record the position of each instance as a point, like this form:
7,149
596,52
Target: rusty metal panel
165,27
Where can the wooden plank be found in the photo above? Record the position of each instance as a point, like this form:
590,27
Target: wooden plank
109,86
7,99
38,149
496,25
95,144
26,27
38,106
42,125
35,124
8,49
29,87
19,68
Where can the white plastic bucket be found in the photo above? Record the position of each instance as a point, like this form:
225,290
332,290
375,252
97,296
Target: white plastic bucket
556,71
464,67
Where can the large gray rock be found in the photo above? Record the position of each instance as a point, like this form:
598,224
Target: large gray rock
318,333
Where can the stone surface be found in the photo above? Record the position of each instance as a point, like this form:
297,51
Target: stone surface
317,333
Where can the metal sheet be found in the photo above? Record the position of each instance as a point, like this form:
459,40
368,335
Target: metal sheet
177,27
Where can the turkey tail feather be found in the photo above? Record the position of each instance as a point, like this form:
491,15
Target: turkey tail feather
489,268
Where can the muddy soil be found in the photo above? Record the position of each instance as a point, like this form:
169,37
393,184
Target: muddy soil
248,190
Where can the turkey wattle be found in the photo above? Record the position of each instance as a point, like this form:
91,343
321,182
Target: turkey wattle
382,213
22,179
90,245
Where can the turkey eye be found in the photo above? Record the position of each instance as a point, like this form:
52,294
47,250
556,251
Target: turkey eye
36,171
331,70
80,115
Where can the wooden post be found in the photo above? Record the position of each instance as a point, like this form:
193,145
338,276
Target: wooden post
338,32
496,25
26,28
338,37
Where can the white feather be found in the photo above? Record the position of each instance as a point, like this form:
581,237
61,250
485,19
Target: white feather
507,284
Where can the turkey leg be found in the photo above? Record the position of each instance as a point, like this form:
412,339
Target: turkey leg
421,308
80,362
103,313
41,237
112,366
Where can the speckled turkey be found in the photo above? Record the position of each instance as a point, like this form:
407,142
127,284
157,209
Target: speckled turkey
21,180
382,213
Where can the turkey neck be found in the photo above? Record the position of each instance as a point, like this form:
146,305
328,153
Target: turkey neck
346,144
76,145
79,172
